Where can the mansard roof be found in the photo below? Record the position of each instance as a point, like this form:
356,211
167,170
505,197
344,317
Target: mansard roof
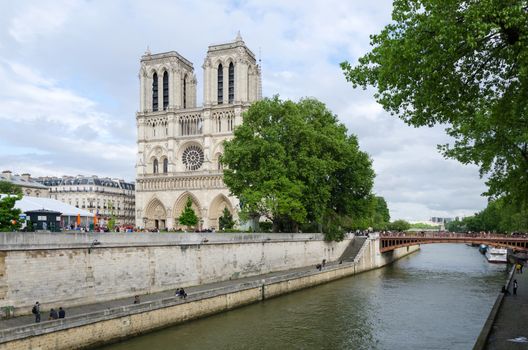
86,180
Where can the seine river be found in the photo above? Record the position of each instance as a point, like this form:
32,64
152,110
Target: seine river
437,298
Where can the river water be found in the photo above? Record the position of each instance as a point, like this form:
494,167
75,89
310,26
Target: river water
437,298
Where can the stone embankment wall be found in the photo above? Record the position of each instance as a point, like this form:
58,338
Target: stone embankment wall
64,269
120,323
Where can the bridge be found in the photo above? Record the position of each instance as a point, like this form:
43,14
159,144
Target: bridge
391,241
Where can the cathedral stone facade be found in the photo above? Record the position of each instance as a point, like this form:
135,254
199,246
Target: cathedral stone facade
179,144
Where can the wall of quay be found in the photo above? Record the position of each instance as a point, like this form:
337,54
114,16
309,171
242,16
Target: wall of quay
99,328
63,269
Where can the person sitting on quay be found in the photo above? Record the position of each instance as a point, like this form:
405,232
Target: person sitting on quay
505,291
62,313
181,293
53,315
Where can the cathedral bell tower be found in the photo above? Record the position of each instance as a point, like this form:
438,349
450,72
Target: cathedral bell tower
167,82
231,74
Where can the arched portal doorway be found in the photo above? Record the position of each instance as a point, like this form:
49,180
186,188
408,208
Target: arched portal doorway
178,207
216,210
155,215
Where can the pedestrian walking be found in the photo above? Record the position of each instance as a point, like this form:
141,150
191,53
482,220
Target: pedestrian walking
36,311
521,265
62,313
515,285
136,299
53,315
518,268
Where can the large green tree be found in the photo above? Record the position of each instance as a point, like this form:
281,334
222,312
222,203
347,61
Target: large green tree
9,215
295,164
462,64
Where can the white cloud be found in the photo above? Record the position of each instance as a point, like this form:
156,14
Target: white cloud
39,19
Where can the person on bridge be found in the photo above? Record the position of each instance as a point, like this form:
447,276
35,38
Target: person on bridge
515,285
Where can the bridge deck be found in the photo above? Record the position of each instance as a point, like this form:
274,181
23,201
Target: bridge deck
390,242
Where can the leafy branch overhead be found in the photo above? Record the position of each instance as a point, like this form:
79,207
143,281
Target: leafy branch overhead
462,64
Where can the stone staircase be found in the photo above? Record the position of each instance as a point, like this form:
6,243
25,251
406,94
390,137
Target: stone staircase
353,249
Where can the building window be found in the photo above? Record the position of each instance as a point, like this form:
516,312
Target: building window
193,157
155,92
165,166
155,166
185,91
220,96
231,82
165,90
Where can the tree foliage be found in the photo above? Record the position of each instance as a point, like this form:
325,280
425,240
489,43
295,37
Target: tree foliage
9,215
226,220
399,225
462,64
294,164
499,216
188,216
7,187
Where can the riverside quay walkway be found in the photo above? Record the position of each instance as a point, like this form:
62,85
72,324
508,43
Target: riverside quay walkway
391,241
509,330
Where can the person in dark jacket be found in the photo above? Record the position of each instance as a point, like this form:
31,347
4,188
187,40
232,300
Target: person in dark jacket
53,314
36,312
62,313
515,285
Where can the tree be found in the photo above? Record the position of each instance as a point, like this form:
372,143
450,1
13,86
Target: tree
399,225
188,216
462,64
381,217
9,215
7,187
226,220
294,164
112,221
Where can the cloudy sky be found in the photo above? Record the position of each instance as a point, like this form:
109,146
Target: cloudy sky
69,86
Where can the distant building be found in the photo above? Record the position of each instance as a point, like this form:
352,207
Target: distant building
30,186
438,220
101,196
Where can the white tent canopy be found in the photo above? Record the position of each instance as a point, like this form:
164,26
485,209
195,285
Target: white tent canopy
38,203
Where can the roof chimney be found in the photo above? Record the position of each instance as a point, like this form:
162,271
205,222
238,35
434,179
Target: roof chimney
26,176
7,174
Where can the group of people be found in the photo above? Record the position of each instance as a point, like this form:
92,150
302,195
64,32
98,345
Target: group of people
53,315
181,293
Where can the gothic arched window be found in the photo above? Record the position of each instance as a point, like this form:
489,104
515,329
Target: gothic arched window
185,91
155,92
165,90
155,166
220,97
231,82
165,166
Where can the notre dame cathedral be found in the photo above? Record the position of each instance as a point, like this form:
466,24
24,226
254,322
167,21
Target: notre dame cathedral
179,144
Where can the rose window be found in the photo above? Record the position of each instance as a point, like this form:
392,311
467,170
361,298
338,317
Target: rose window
193,157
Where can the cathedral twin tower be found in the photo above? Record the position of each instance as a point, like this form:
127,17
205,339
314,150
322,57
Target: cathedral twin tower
179,144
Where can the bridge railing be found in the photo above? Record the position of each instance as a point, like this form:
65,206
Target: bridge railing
445,234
